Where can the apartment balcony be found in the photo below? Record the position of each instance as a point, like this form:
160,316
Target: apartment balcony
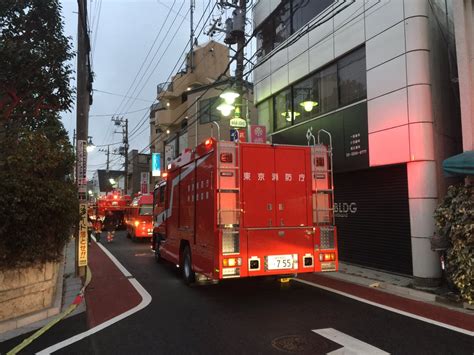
169,117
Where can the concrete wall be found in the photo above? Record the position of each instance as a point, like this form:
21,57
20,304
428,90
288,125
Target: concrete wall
27,290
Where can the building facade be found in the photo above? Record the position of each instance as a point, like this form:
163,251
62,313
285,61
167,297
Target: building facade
378,76
139,166
187,106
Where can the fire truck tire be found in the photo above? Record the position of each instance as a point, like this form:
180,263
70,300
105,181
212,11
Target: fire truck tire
188,274
158,257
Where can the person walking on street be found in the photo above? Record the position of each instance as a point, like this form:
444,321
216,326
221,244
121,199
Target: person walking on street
109,226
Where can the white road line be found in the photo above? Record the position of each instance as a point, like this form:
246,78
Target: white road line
146,299
350,345
391,309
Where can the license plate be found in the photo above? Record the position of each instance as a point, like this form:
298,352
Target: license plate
277,262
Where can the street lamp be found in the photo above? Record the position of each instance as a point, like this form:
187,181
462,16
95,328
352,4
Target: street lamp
90,145
229,96
225,108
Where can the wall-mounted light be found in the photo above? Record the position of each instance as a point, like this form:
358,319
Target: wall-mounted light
308,105
167,131
290,115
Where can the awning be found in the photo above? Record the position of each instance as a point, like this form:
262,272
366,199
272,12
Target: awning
461,164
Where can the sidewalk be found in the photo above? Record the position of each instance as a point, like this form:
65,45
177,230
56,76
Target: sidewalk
393,291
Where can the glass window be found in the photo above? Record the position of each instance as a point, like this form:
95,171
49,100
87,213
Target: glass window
146,210
305,10
328,89
306,98
282,23
283,110
265,114
352,77
266,36
208,110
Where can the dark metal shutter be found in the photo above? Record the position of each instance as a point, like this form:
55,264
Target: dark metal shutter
372,217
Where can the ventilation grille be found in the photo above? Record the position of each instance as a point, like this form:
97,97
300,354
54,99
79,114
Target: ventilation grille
230,242
327,238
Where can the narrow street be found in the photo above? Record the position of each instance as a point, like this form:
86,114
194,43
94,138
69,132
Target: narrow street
247,316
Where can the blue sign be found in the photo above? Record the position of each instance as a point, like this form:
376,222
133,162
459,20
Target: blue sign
234,135
155,164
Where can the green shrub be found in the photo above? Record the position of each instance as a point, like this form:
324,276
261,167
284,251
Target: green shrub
38,205
455,221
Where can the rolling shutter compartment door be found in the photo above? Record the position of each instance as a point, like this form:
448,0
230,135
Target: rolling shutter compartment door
372,217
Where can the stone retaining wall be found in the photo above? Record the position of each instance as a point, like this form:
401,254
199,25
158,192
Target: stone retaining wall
27,290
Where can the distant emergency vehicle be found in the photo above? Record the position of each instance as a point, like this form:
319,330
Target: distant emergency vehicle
230,210
139,217
114,202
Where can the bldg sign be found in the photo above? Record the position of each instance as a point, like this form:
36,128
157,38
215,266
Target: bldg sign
258,134
156,164
83,237
238,122
144,178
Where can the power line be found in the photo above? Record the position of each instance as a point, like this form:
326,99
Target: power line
154,56
114,94
142,121
121,113
139,70
148,53
314,25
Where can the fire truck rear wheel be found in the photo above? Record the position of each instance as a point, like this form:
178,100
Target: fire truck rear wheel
188,273
158,257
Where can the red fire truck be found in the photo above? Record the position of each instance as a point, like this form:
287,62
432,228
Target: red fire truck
138,217
115,202
229,210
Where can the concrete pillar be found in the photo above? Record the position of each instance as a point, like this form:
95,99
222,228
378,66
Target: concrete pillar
423,199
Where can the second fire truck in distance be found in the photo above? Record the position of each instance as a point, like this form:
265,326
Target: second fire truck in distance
139,217
232,210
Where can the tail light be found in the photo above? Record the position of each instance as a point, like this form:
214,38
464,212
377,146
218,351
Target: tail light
231,262
327,257
136,223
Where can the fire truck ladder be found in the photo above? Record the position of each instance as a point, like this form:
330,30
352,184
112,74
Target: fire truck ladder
322,181
228,195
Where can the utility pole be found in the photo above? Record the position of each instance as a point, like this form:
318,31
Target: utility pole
82,127
107,152
123,123
125,142
191,39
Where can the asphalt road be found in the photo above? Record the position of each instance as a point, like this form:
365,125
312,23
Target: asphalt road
249,316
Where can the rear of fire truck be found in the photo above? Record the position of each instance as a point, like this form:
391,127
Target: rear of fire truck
274,208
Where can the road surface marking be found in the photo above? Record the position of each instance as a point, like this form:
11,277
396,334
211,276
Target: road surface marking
388,308
350,345
146,299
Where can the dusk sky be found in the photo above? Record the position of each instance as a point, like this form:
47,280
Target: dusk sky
123,32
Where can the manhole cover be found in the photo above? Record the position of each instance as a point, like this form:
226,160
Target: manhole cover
292,343
300,344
